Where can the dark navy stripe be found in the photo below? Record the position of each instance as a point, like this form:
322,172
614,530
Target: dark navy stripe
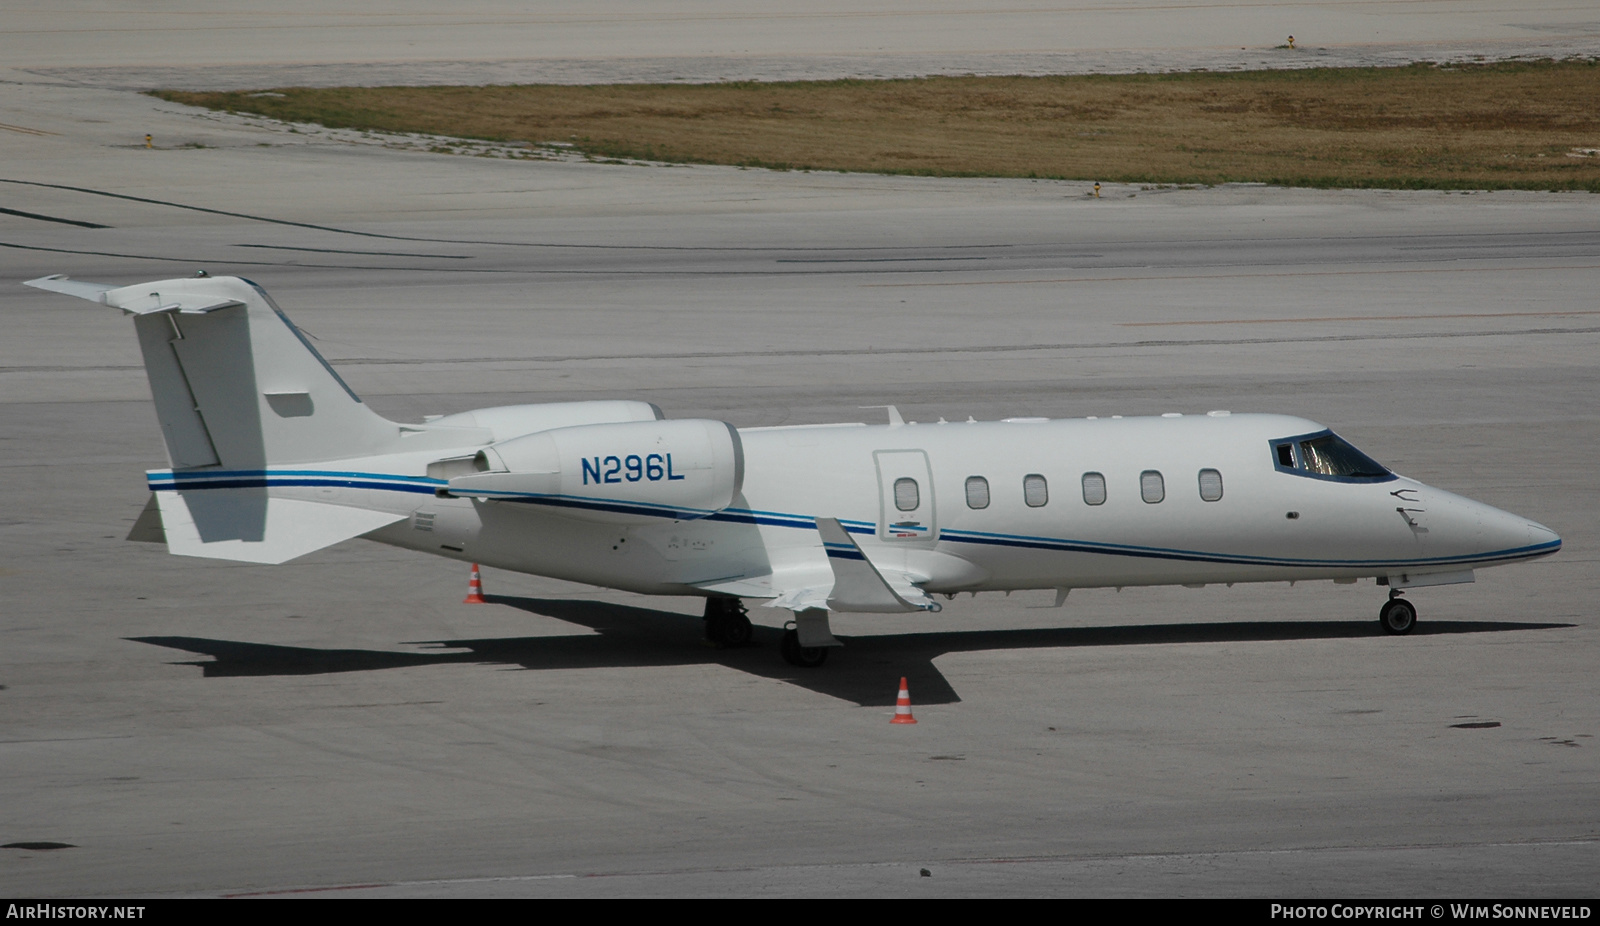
1069,546
615,507
270,473
750,517
259,483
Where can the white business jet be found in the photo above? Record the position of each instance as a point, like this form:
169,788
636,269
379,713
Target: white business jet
273,457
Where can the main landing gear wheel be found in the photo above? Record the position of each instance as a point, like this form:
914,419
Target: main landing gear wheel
726,623
806,657
1397,616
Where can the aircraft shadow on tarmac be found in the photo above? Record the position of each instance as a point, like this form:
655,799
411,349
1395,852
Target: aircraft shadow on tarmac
627,636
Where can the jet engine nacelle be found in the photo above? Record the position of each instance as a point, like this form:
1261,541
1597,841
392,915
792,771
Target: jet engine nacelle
505,422
629,472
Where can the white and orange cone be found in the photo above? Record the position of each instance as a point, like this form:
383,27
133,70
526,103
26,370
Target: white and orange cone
474,588
902,705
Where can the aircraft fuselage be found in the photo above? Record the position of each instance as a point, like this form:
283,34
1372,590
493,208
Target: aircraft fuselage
1039,526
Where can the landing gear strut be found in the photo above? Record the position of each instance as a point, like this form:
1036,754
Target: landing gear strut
1397,616
726,623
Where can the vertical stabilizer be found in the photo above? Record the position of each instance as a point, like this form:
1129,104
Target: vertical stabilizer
239,390
236,384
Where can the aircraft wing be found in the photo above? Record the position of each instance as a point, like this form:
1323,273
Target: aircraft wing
858,585
795,590
853,583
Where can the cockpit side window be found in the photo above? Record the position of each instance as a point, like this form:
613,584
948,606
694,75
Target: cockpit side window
1326,455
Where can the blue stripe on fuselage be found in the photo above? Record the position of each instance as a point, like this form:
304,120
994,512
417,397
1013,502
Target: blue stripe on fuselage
166,480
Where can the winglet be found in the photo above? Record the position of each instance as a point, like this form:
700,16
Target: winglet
857,584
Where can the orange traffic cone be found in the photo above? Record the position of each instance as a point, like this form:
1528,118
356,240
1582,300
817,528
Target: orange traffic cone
902,705
474,588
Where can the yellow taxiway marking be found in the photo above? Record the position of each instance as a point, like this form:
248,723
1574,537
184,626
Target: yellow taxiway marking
25,130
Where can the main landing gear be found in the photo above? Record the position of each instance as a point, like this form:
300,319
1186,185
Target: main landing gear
1397,616
807,639
726,623
806,657
727,626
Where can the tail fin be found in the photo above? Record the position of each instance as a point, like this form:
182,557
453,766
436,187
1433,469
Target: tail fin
238,389
236,385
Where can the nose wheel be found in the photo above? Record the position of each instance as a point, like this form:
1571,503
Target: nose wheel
726,622
1397,616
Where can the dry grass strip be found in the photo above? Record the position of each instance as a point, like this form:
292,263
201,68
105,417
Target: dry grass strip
1526,125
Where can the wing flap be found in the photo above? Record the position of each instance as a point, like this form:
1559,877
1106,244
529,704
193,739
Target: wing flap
741,587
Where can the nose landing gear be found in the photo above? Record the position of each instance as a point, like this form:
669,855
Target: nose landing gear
726,623
1397,616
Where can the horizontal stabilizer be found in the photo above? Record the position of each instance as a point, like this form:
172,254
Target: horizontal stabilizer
250,527
134,300
191,307
83,289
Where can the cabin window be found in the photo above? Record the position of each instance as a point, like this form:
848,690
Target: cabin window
977,492
906,496
1094,489
1152,488
1034,490
1210,485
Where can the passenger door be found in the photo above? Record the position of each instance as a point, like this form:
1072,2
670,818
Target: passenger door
905,496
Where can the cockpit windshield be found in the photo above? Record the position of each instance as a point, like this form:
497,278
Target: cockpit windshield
1326,455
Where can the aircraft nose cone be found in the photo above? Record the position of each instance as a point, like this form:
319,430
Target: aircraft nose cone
1539,535
1507,531
1479,529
